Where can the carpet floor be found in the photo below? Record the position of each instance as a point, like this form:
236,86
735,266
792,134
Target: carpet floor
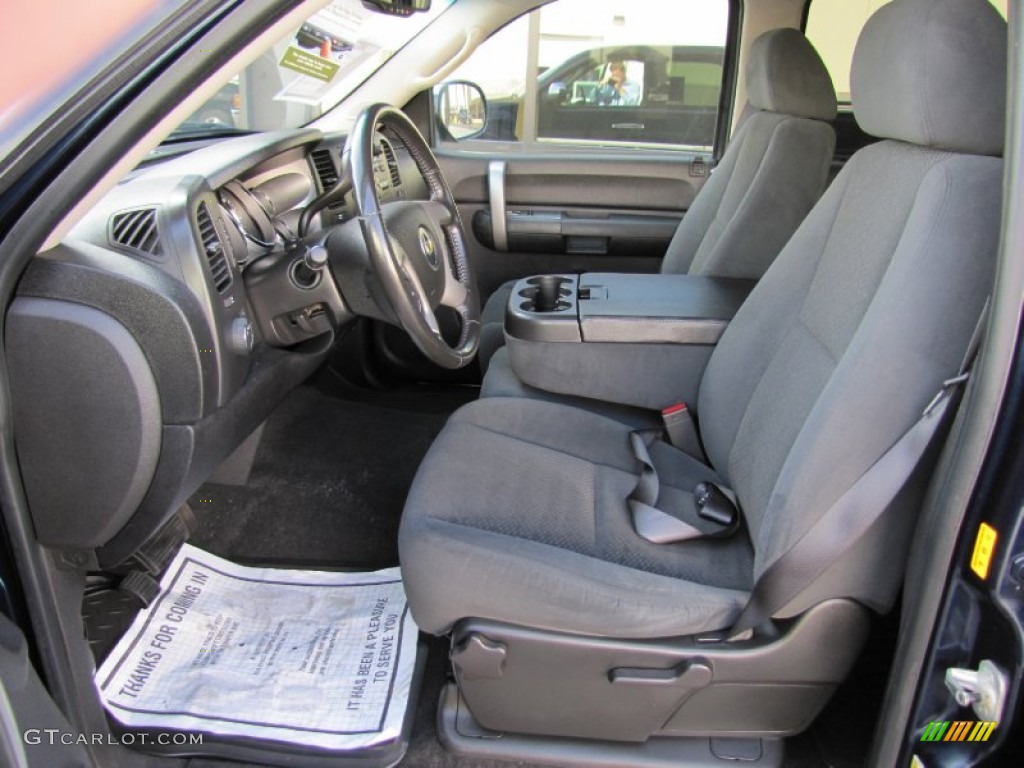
326,489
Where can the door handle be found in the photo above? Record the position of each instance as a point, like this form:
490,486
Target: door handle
627,126
496,195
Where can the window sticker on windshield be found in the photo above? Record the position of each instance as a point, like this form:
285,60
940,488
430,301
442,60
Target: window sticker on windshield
309,64
315,91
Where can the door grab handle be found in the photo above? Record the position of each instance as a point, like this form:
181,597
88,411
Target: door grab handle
496,193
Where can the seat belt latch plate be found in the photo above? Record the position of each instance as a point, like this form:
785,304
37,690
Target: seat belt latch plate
714,506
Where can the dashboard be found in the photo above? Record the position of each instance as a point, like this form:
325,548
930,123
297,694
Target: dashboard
177,314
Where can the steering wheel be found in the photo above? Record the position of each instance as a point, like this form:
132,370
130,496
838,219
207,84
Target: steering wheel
417,248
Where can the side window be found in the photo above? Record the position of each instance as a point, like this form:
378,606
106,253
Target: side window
642,73
833,27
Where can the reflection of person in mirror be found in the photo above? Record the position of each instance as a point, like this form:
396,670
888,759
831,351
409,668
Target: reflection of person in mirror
616,89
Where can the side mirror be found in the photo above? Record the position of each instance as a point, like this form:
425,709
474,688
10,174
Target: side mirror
460,109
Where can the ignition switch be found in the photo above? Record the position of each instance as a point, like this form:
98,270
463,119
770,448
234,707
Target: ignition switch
306,270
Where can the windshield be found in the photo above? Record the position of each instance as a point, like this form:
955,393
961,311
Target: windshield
308,71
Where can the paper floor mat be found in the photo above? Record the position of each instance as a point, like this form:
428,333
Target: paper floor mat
308,657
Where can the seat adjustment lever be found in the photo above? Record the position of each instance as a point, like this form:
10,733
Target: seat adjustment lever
689,674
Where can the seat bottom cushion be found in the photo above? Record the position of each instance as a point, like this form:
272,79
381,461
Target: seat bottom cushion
518,514
501,381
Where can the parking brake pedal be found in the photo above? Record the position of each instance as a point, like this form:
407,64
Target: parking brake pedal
141,586
156,554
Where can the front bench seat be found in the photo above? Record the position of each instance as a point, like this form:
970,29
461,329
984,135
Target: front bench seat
772,172
518,515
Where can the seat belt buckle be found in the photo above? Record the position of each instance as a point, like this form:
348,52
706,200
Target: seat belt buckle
716,507
681,430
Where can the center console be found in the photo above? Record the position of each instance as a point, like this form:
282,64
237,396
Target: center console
640,340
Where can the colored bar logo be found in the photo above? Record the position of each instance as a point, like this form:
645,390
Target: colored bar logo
959,730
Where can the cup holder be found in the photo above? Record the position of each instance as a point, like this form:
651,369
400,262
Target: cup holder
547,293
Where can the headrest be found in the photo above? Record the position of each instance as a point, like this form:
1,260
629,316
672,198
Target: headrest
785,74
933,72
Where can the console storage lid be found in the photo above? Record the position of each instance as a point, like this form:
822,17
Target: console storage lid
624,308
639,340
673,309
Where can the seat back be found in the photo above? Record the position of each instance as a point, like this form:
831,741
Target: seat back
773,171
872,303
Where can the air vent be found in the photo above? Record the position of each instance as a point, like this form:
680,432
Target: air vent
325,170
220,272
327,173
136,230
389,155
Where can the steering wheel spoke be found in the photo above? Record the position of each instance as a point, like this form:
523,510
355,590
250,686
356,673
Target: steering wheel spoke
415,292
455,294
441,213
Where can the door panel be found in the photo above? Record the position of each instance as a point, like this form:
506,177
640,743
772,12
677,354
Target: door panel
570,212
496,267
655,181
642,125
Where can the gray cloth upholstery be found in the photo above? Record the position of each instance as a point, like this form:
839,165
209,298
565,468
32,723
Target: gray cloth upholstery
785,74
933,76
547,530
501,381
773,171
838,349
770,176
832,358
641,375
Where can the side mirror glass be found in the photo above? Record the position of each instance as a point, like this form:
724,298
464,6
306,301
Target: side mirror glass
460,109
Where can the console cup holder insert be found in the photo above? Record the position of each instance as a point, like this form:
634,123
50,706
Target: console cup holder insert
547,293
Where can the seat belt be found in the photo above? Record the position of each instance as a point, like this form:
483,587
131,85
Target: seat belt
859,508
714,514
